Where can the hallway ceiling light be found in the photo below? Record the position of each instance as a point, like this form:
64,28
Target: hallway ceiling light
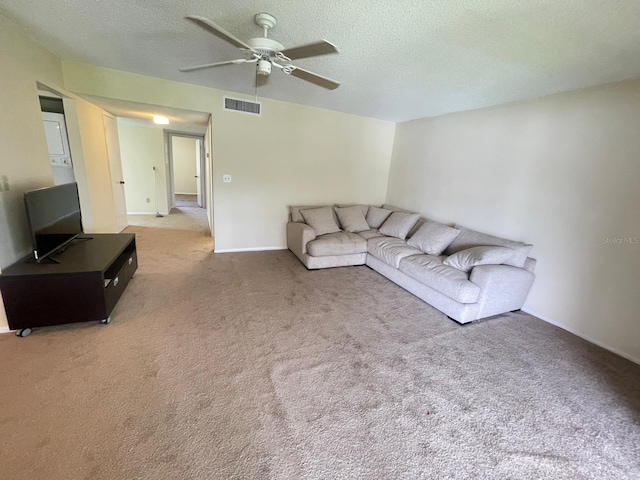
160,120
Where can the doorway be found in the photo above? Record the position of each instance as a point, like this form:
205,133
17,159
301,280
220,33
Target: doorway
55,131
186,165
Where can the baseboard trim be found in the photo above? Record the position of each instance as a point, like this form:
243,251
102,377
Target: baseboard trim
561,325
4,330
147,213
185,193
254,249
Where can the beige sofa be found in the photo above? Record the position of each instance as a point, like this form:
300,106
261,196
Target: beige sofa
466,274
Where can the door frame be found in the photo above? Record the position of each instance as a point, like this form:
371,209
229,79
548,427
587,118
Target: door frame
115,160
202,180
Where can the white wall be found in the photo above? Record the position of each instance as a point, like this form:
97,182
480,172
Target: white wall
562,173
184,164
289,155
141,149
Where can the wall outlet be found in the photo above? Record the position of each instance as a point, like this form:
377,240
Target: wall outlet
4,183
226,178
148,200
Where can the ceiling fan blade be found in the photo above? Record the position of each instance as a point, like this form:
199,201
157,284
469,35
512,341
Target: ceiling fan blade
314,78
218,64
321,47
218,31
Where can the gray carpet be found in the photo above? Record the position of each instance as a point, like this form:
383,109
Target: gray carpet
249,366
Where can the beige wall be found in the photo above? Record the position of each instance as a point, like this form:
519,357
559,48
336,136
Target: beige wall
562,173
184,164
141,149
23,156
290,155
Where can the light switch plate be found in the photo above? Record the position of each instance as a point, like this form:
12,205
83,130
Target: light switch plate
226,178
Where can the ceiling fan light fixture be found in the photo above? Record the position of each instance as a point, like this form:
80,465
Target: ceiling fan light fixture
264,67
160,120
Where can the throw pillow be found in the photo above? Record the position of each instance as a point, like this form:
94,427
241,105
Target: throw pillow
321,220
433,237
352,219
470,238
296,216
364,208
399,224
376,216
484,255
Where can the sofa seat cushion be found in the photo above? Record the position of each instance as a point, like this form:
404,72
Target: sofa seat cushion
429,270
339,243
390,250
373,233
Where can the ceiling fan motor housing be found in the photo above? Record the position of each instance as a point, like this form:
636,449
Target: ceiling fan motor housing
265,46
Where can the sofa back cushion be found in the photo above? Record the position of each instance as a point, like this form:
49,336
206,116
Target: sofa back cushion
320,219
470,238
433,237
393,208
399,224
465,260
352,219
376,216
364,208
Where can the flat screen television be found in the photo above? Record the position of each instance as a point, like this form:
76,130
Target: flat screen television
54,218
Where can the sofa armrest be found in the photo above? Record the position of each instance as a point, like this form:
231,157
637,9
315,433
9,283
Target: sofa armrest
503,288
298,235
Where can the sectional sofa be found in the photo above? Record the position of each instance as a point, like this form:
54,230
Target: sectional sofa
466,274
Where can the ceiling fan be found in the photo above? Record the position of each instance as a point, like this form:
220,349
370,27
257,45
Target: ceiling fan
267,53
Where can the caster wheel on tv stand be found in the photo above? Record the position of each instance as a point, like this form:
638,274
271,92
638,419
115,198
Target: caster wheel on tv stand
106,321
25,332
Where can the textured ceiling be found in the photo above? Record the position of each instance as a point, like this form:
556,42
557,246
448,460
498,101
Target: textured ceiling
399,59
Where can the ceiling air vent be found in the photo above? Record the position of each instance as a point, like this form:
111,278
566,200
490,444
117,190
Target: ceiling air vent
241,106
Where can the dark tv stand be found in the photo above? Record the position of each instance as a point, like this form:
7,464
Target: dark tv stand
84,286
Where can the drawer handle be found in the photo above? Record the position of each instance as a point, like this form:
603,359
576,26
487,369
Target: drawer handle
130,260
115,281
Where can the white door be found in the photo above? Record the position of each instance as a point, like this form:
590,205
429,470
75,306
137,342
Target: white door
55,131
199,172
115,166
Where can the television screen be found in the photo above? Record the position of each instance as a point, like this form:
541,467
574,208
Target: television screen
54,217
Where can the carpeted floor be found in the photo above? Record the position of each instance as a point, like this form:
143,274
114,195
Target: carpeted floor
186,201
248,366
